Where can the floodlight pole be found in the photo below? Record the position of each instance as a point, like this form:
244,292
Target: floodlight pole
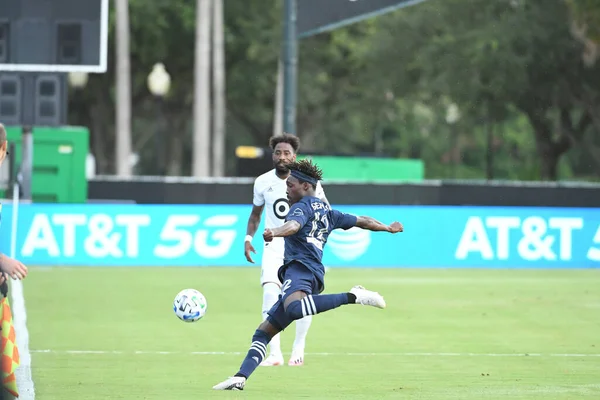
290,66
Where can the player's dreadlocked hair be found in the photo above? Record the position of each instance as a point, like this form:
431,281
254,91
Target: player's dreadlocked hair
306,167
288,138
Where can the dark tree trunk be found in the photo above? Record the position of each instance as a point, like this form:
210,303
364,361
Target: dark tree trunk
552,147
548,164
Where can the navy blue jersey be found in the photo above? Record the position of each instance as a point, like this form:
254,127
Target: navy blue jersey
316,220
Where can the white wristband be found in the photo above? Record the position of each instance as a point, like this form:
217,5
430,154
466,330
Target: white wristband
248,238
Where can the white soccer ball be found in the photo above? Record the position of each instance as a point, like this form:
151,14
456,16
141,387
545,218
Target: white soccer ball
190,305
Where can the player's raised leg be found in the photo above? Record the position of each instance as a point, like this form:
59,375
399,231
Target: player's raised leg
312,304
300,306
319,303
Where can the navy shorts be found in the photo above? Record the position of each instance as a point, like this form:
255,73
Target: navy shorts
296,277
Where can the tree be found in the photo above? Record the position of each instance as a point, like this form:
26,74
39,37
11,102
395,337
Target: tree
585,15
382,85
489,55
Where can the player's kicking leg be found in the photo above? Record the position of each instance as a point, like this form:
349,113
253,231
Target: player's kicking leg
297,303
363,296
295,307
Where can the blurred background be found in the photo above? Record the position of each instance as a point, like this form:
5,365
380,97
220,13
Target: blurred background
137,127
474,90
478,89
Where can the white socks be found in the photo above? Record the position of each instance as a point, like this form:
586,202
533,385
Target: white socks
302,326
271,292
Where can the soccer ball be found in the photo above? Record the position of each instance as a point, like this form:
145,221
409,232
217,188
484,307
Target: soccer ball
189,305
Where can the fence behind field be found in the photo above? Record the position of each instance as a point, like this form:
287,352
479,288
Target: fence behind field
171,190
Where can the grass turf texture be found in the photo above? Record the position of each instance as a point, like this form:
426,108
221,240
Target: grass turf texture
446,334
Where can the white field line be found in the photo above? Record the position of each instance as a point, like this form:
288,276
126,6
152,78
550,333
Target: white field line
339,354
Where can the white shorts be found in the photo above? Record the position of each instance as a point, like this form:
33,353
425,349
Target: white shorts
272,259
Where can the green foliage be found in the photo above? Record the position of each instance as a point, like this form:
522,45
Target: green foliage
497,60
384,85
586,14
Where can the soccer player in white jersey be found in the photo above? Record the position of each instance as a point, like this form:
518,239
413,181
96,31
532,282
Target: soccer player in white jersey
270,194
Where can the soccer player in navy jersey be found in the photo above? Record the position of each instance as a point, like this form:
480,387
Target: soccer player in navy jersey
270,194
308,224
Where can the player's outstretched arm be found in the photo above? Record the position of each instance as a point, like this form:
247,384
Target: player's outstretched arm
287,229
372,224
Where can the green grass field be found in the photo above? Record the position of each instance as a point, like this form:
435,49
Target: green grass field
110,333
